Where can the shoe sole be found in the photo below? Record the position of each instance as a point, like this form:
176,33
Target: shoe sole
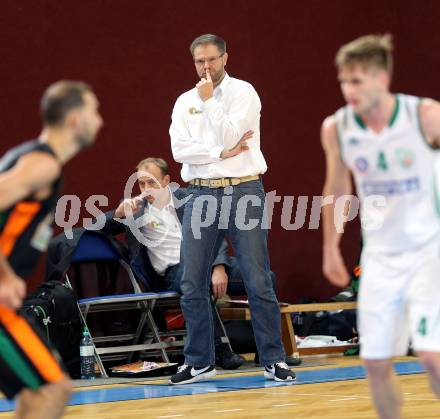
269,376
200,377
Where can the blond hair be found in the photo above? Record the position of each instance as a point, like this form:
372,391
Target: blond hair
368,51
159,162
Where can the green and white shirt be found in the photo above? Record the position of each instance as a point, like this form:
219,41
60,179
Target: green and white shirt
395,167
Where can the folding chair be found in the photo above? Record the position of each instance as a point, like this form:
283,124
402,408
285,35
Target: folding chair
225,338
93,247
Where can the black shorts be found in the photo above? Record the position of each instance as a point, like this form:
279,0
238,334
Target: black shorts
26,360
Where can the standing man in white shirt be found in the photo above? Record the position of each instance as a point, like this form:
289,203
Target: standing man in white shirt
215,134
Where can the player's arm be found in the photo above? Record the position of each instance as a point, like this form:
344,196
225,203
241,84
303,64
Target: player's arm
31,173
337,183
12,288
430,121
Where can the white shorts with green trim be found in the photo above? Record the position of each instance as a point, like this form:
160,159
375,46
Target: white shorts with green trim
399,302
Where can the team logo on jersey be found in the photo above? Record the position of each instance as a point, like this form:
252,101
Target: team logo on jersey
194,111
153,222
361,164
353,141
405,157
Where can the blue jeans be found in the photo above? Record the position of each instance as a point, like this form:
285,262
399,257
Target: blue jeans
209,215
236,286
173,279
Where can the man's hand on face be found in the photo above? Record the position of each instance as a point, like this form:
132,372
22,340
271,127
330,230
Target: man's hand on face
12,290
128,207
239,147
205,87
219,281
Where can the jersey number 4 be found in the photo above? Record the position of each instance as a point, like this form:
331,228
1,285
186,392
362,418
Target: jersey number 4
382,161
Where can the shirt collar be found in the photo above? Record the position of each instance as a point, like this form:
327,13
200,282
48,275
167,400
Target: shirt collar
221,87
169,205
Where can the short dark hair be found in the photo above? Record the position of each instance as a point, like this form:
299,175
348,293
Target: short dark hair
208,38
159,162
60,98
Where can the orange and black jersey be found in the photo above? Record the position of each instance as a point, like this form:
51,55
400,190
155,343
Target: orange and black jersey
26,360
26,227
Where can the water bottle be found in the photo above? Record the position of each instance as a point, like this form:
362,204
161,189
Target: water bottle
87,354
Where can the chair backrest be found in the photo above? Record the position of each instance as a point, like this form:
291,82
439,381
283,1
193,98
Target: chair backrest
101,258
94,246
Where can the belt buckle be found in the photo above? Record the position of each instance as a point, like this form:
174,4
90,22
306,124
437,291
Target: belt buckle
211,183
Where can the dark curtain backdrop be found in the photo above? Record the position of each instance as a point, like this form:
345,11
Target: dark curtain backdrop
135,54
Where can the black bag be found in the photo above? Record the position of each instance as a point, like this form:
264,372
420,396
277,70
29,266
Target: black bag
53,306
341,324
241,335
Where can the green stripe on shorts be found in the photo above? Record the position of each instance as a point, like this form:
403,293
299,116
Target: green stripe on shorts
17,363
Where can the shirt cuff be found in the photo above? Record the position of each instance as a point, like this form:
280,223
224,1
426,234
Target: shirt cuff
210,104
215,152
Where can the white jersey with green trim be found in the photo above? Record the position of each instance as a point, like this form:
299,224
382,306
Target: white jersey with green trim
394,175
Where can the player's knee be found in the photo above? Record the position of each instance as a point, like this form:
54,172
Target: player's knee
62,390
25,396
379,369
66,386
431,362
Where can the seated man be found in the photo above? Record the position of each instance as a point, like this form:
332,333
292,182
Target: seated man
155,256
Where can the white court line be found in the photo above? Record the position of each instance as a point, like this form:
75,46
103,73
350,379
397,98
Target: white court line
419,399
169,416
294,394
343,399
271,393
329,395
286,404
228,410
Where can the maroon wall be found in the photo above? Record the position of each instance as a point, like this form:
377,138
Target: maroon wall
135,54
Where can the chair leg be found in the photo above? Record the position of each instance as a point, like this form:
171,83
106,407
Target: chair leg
83,320
225,338
156,335
138,333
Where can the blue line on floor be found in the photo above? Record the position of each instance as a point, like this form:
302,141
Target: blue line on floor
151,391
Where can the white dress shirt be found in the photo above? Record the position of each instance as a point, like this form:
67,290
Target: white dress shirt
163,229
201,130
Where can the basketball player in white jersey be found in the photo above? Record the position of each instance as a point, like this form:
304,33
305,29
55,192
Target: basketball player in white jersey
387,142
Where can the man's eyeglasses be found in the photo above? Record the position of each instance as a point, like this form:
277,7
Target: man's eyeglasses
210,60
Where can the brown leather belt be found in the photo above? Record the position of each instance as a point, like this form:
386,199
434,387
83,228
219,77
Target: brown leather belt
223,182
